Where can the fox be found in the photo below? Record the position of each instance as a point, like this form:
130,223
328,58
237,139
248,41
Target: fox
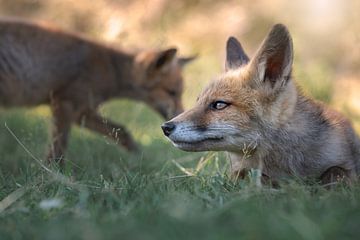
43,64
257,113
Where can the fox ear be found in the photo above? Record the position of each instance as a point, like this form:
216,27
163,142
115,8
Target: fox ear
185,60
163,60
235,54
273,61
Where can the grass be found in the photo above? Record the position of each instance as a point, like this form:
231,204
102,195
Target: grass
162,193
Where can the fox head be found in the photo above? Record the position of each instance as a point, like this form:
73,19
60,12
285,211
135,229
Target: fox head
238,110
159,76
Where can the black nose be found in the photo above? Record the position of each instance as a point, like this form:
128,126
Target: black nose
168,128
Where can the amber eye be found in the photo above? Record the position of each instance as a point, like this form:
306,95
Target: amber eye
219,105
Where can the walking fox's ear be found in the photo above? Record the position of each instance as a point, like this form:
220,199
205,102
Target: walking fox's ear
163,60
235,54
273,61
185,60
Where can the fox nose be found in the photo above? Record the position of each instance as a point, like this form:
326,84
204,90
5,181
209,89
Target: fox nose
168,128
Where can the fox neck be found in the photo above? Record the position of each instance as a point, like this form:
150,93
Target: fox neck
284,145
124,75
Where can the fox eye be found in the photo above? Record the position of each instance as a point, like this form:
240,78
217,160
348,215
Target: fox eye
172,93
219,105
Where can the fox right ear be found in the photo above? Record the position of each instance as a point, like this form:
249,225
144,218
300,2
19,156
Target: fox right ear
235,54
273,61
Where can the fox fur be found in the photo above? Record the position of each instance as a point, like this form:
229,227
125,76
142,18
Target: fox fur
41,64
257,113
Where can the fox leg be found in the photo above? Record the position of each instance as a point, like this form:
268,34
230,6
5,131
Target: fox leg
62,118
106,127
265,179
239,174
335,175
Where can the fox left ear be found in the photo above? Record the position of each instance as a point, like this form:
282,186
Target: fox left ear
185,60
235,54
273,61
163,60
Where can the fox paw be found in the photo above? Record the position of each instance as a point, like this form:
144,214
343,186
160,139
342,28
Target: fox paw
333,176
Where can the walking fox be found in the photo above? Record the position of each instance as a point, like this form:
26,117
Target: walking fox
256,112
43,65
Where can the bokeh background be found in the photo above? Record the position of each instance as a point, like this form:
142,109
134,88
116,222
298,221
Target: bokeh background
326,37
164,192
325,32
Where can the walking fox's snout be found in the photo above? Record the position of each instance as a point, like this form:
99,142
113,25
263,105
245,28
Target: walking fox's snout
161,80
256,112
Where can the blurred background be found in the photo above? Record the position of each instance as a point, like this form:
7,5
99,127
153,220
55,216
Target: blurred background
326,37
164,193
326,33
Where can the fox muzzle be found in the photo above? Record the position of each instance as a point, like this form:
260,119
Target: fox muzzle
168,128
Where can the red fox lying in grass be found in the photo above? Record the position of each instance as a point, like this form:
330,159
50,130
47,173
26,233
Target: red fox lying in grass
256,112
44,65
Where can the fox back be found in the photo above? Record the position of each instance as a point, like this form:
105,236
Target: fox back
256,112
38,59
41,64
